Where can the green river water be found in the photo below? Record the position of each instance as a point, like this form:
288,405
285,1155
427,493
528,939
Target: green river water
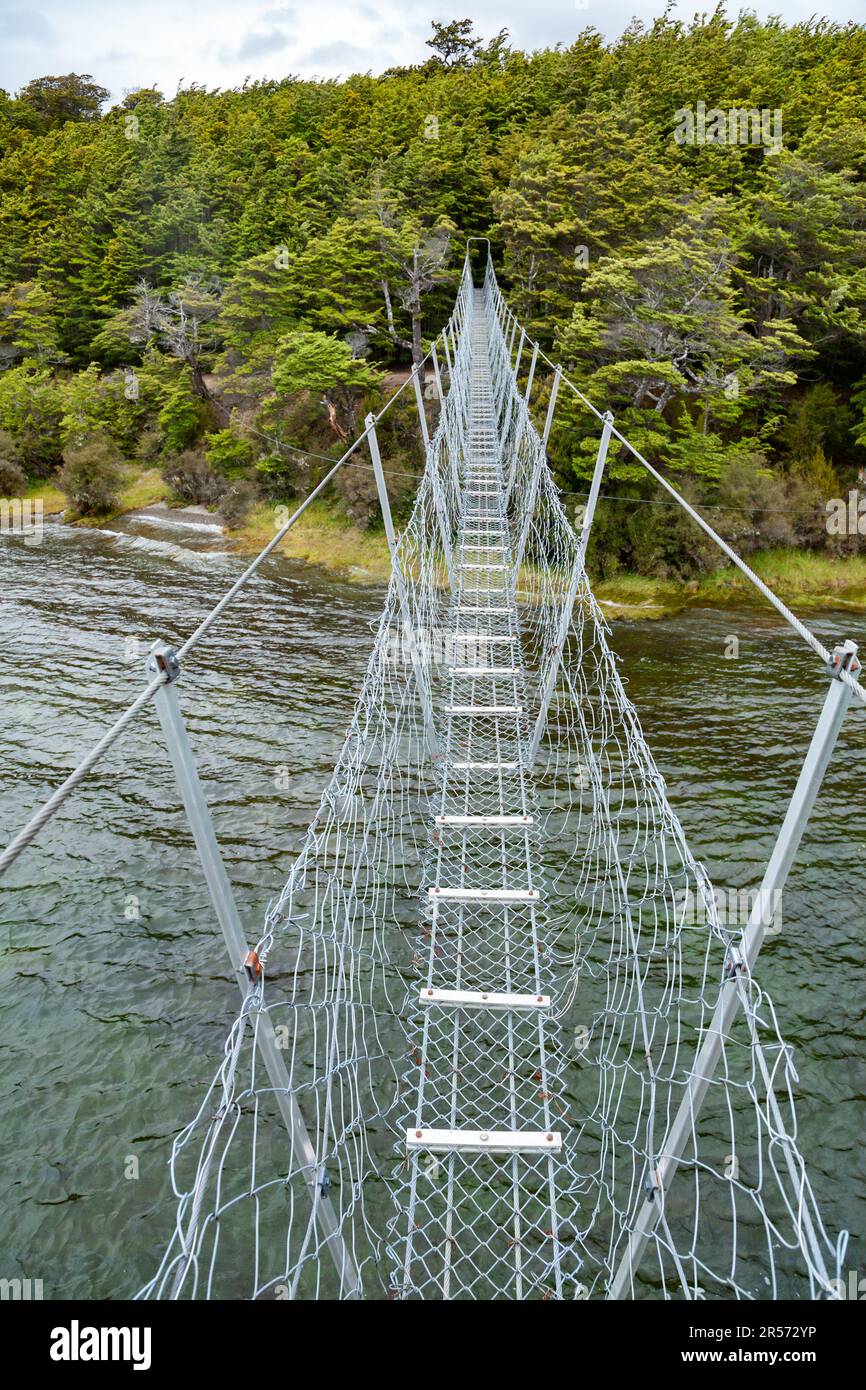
115,994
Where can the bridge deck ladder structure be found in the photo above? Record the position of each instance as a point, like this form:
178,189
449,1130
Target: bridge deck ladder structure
278,1179
483,1148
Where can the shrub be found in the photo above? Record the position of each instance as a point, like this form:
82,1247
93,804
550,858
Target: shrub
817,472
12,477
665,542
357,487
753,507
189,477
180,417
236,503
92,475
809,488
760,508
229,453
282,475
148,447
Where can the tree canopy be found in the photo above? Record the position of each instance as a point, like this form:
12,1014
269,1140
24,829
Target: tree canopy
709,288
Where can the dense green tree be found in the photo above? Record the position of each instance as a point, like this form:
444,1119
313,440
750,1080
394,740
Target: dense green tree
97,403
258,305
804,251
317,363
661,341
47,102
230,453
336,280
28,324
180,417
454,44
592,184
31,409
710,291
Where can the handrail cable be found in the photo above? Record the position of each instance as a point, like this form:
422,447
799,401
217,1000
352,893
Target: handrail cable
49,808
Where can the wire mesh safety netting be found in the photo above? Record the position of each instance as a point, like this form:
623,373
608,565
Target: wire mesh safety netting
489,973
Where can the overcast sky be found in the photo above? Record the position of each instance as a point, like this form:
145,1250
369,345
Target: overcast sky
142,43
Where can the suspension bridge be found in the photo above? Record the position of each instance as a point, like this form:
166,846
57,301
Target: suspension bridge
486,1047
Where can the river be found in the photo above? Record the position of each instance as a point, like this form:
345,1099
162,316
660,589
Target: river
114,987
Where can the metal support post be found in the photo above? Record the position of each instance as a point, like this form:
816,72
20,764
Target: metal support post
444,529
515,455
437,376
530,512
536,474
162,658
568,605
447,353
442,518
551,405
531,372
419,399
405,611
741,964
455,346
519,352
595,485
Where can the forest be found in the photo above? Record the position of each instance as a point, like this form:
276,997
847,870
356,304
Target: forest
214,286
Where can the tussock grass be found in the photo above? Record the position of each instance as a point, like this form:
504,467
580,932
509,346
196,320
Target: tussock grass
322,536
802,576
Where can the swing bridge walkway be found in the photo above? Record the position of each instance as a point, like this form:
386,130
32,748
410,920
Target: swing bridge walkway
501,1108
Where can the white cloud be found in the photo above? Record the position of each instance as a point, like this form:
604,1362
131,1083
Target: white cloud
259,45
345,57
25,27
223,42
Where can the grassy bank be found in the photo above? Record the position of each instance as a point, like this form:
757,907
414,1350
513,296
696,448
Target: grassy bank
324,536
803,579
143,488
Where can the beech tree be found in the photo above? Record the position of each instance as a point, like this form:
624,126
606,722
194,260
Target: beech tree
182,323
47,102
658,336
28,324
315,362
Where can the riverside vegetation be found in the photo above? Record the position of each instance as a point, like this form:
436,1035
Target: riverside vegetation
201,297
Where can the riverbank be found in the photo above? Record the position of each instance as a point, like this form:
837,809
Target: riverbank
325,537
801,578
144,488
